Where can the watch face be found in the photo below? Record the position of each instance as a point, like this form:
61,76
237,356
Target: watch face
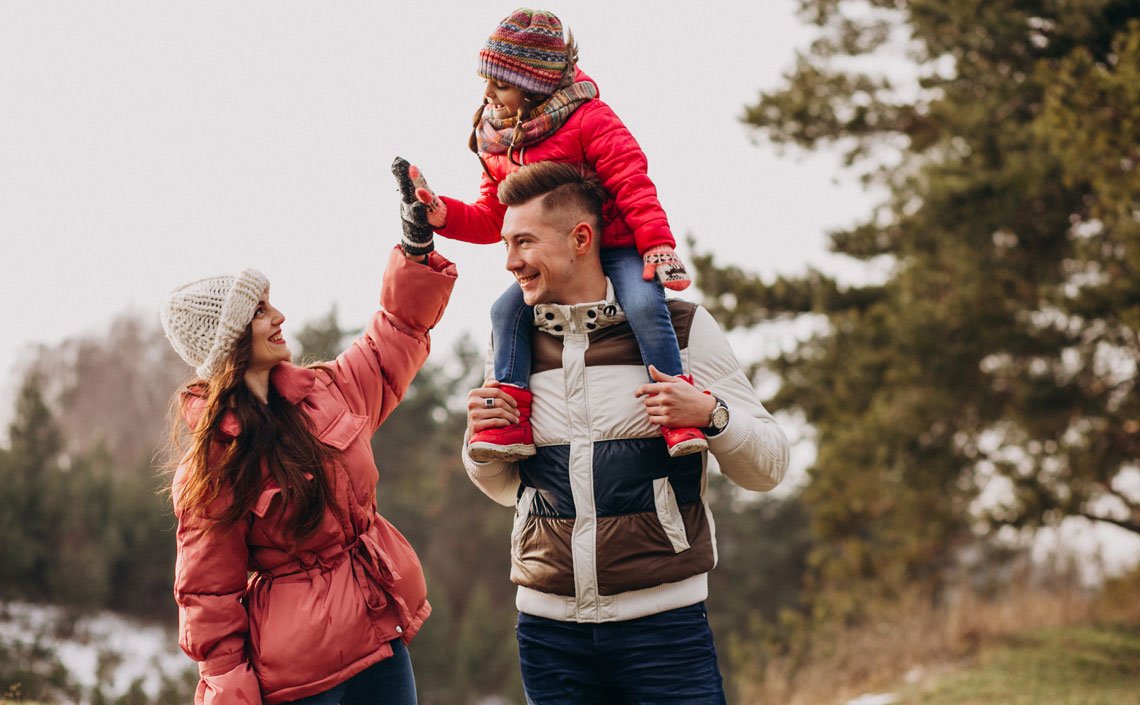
719,417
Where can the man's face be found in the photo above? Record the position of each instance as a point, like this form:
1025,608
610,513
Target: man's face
540,254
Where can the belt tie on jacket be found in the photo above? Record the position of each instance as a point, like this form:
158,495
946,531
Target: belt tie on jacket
370,567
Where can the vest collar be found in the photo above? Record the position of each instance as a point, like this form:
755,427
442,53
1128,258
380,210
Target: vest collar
562,319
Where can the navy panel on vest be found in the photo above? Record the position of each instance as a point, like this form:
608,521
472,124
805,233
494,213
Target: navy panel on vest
624,471
548,470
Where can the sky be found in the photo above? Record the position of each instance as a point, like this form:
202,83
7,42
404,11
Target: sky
146,144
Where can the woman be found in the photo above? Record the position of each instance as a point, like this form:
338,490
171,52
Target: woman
279,484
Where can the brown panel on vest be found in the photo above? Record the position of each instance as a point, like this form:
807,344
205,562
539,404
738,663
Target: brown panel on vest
634,553
612,345
544,561
682,313
545,352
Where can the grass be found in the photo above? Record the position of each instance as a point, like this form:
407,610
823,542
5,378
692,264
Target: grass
1034,642
1083,665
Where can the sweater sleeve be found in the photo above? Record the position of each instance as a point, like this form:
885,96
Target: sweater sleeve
624,170
752,451
479,222
209,583
497,480
374,372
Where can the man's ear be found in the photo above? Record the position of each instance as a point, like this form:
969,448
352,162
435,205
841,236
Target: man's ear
583,235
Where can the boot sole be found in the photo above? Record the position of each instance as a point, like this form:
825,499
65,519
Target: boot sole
486,452
693,445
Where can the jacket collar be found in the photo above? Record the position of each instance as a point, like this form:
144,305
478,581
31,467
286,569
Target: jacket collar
562,319
293,383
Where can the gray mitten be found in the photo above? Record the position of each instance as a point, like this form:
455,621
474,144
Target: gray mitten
417,239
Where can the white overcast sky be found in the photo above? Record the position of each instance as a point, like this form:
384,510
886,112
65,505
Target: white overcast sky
145,144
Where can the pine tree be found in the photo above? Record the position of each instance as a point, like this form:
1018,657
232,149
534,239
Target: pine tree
27,473
1001,351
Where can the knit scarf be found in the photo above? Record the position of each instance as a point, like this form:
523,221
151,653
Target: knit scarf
494,136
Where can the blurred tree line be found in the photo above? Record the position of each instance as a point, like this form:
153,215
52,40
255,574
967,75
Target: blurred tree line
1000,351
86,522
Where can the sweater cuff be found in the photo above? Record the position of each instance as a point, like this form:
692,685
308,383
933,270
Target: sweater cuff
734,434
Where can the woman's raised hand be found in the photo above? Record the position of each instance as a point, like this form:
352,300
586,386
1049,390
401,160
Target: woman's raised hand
418,233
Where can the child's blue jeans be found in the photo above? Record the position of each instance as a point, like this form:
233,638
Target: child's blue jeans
642,301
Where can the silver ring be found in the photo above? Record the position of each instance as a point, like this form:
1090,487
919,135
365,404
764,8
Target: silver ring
489,402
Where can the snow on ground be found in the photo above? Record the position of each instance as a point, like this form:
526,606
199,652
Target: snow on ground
874,699
129,650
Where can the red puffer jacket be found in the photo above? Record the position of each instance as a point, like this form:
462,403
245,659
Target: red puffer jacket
595,135
303,622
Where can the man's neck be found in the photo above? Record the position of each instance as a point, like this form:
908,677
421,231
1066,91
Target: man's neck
590,289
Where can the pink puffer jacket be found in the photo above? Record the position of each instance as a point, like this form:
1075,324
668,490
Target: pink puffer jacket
304,622
595,135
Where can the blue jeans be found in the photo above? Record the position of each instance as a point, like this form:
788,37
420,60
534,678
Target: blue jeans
642,301
665,658
387,682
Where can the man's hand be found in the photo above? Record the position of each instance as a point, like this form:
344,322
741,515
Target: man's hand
503,412
671,401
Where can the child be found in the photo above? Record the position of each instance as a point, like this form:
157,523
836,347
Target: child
538,106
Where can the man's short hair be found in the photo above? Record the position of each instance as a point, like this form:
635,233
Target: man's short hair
570,187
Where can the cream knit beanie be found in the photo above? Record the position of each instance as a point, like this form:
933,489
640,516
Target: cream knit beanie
204,318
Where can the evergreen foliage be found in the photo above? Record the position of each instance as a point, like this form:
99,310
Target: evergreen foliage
74,531
1001,351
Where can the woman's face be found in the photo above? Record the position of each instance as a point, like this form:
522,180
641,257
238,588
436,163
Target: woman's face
268,347
503,98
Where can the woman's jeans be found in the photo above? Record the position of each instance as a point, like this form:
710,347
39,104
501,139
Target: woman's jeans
643,303
663,659
388,682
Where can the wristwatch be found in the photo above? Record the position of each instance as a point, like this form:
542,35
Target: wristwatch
718,419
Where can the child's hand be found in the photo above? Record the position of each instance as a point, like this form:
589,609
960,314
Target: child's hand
413,187
417,238
437,209
664,264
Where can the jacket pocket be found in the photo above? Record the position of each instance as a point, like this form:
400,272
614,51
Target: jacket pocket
669,514
342,430
522,511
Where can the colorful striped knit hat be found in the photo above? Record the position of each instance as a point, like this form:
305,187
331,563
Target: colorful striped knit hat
526,50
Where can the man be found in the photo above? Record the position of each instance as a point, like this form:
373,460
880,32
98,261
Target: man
612,539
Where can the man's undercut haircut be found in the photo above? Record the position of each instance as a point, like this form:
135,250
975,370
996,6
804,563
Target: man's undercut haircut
570,189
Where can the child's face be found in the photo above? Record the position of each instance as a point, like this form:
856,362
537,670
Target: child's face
503,98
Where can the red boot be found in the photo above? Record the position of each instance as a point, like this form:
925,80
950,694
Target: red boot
684,440
506,443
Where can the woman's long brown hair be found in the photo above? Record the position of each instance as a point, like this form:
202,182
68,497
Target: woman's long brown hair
275,434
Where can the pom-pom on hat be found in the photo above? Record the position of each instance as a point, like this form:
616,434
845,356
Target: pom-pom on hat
204,318
526,50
